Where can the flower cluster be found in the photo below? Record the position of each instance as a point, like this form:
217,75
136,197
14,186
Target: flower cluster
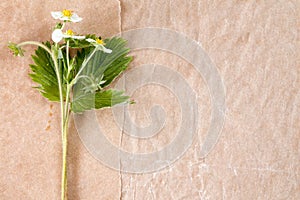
69,16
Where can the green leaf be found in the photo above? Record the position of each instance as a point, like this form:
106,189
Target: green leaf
97,100
115,69
88,93
43,73
80,56
109,65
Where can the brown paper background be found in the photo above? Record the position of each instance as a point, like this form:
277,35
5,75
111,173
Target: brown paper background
255,47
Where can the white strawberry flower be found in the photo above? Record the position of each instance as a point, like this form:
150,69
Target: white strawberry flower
58,35
98,43
66,15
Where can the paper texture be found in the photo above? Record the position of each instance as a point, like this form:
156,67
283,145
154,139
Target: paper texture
254,45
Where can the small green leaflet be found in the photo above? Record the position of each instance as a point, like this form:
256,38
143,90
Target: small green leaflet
97,100
43,73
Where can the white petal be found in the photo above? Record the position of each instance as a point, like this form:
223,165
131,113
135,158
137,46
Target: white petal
56,15
66,36
75,18
105,49
78,37
57,35
64,18
101,82
90,40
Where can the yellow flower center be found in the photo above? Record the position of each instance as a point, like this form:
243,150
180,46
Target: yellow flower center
67,13
99,41
69,32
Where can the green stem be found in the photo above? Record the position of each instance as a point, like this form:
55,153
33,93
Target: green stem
68,60
68,85
64,178
37,44
64,129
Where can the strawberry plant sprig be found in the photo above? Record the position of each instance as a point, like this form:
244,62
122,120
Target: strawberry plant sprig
75,71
